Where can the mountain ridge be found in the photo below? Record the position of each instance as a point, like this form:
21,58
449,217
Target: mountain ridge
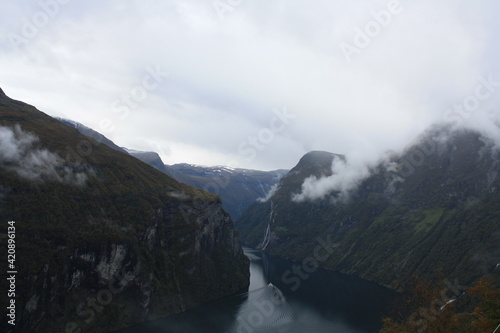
121,237
237,187
401,220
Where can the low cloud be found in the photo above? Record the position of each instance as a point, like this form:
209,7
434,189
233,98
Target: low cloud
270,194
346,176
486,123
19,154
178,195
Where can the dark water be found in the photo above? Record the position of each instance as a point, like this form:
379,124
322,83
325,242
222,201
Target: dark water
281,299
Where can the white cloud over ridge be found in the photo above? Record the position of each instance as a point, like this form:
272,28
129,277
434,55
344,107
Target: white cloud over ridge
347,175
19,154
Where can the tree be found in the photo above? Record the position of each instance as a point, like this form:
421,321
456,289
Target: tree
428,309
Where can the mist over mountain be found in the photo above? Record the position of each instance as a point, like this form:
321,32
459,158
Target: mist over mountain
90,209
433,207
377,123
19,154
103,240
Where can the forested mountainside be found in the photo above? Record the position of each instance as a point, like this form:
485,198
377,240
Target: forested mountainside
102,239
434,207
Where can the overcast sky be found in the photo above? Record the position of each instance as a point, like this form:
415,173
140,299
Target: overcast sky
254,84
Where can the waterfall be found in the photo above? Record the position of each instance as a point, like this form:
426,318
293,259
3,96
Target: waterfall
268,234
267,238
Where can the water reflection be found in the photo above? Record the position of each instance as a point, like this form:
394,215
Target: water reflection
323,302
268,310
265,310
258,269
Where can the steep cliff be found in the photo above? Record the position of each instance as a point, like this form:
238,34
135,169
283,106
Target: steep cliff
433,208
103,240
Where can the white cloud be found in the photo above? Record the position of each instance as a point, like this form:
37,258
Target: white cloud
20,154
227,76
272,191
347,175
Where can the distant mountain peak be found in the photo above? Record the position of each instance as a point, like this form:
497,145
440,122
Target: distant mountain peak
150,157
318,153
316,161
318,156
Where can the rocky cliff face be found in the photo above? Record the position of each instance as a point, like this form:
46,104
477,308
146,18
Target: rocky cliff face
104,241
431,210
111,284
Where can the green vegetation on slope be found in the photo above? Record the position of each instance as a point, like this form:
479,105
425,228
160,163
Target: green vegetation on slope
441,215
159,245
449,308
